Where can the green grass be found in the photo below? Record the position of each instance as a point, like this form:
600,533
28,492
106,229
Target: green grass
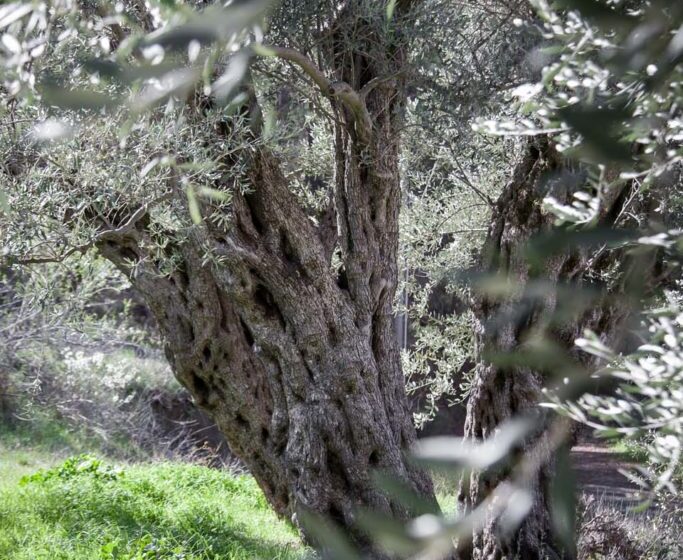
44,437
153,511
150,512
446,489
630,450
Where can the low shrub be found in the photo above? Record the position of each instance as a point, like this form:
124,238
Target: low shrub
75,467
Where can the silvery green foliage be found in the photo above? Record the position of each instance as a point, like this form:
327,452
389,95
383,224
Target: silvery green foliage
610,99
608,96
161,48
433,367
116,73
463,55
28,34
91,177
443,223
97,122
647,405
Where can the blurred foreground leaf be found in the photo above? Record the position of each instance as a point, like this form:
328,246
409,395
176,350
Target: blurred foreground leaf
332,541
563,500
458,452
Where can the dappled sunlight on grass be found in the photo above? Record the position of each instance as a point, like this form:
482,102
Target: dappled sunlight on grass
169,511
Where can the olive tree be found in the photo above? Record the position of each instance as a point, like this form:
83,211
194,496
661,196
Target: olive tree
276,313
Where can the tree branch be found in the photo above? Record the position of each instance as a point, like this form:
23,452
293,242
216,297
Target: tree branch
349,97
303,62
102,236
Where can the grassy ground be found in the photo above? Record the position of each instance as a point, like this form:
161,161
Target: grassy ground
84,509
149,512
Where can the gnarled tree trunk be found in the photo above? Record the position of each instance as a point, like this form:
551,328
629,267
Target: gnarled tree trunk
499,392
297,364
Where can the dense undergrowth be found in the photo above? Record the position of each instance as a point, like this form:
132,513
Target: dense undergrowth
87,509
608,530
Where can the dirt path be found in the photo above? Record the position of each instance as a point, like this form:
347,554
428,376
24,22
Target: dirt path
597,472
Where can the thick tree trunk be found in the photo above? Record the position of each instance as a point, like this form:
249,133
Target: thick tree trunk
299,366
500,393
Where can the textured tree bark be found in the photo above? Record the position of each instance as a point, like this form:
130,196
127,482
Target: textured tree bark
299,365
499,393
